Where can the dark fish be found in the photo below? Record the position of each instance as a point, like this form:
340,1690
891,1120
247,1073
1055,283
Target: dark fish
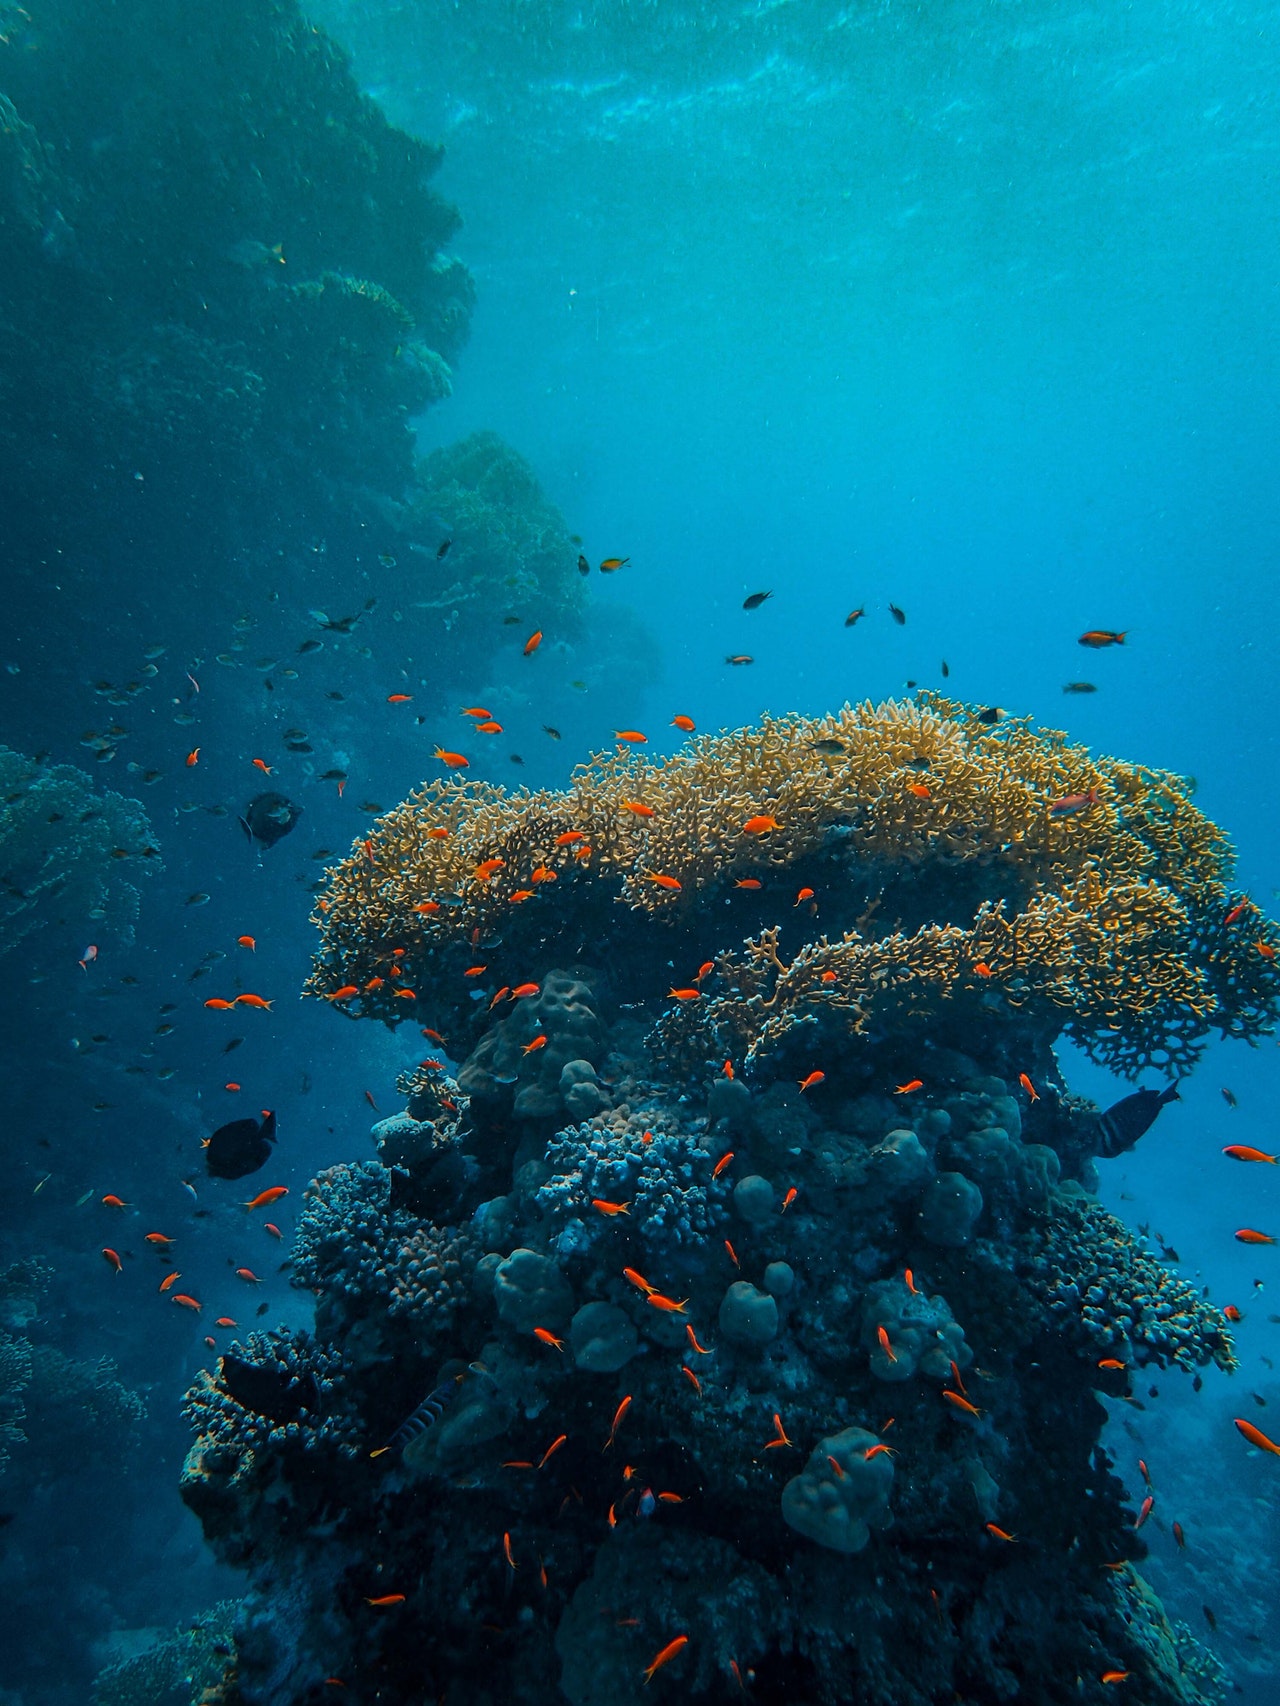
516,758
899,616
1197,1383
269,817
918,762
334,776
442,549
311,646
739,657
338,696
756,600
230,1047
432,1407
1079,687
1125,1122
1259,1400
268,1391
829,747
945,669
1209,1618
548,730
989,714
584,567
1229,1097
240,1148
262,1309
855,616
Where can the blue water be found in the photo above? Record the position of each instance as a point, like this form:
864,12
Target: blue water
969,308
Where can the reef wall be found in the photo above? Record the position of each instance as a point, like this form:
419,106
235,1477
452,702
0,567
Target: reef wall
741,1328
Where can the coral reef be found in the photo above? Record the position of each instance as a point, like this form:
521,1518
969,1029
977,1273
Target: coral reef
66,851
627,1340
1105,920
187,1666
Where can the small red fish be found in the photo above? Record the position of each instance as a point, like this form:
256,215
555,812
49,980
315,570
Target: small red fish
733,1254
1180,1537
253,1001
780,1434
181,1297
812,1079
667,1304
1242,1152
803,895
548,1337
685,723
907,1088
1115,1676
631,737
271,1227
681,1641
721,1164
685,994
603,1206
399,698
1071,805
532,643
1113,1363
639,1281
385,1599
552,1449
221,1006
1096,638
343,994
523,991
761,824
983,969
960,1403
569,838
787,1201
159,1238
883,1338
225,1321
748,883
637,808
919,789
168,1280
664,881
1247,1235
696,1383
1145,1510
1028,1086
693,1340
113,1201
540,1041
909,1279
249,942
880,1450
618,1414
1255,1436
248,1276
270,1195
261,764
611,565
1238,910
193,758
113,1260
1266,950
1232,1313
1000,1533
543,874
452,760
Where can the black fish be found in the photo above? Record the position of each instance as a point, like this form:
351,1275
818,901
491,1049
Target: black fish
442,549
1124,1123
1229,1097
899,616
855,616
432,1407
945,669
584,567
756,600
268,1392
989,714
269,817
548,730
1079,687
240,1148
1209,1618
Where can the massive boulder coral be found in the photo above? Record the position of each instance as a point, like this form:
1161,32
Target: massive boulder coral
768,1371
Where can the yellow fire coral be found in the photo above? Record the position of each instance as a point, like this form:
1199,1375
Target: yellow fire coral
961,858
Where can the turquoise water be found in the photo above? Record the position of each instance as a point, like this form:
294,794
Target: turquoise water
968,309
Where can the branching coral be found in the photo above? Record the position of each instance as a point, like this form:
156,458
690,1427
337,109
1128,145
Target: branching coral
1105,917
1097,1283
64,851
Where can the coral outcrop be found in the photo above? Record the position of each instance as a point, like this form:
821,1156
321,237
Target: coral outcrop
733,1305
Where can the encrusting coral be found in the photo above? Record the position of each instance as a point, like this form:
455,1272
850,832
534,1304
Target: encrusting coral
1086,894
776,1329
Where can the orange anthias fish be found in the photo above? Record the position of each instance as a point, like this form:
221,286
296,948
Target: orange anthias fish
1028,1086
982,969
787,1201
552,1449
668,1652
693,1340
487,868
1255,1436
532,643
611,565
962,1403
685,723
803,895
685,994
1115,1676
168,1280
343,994
631,737
1247,1235
721,1164
919,790
113,1201
453,760
639,1281
761,824
1071,805
181,1298
569,837
1239,910
161,1238
618,1414
384,1599
883,1338
543,874
522,991
261,764
907,1088
253,1001
219,1005
489,728
748,883
637,808
548,1337
193,758
603,1206
399,698
1110,1362
272,1194
1242,1152
249,942
1096,638
540,1041
999,1533
812,1079
780,1434
112,1260
1232,1313
668,1305
663,881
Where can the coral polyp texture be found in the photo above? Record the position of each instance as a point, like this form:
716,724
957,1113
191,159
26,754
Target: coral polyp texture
959,867
748,1308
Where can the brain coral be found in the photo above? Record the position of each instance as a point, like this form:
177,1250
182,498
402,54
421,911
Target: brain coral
975,896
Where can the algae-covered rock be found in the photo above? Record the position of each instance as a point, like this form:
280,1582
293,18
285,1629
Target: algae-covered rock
924,1337
530,1292
950,1210
748,1317
603,1338
840,1496
501,1072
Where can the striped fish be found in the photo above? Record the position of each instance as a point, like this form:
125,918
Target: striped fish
429,1412
1125,1122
